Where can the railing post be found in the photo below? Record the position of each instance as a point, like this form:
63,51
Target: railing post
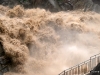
90,64
86,67
67,73
64,72
78,69
95,61
98,59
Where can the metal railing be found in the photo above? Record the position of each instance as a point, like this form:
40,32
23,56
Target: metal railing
84,67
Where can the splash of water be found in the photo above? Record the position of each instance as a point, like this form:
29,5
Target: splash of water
43,43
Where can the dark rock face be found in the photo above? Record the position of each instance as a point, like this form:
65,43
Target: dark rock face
1,50
96,2
92,5
4,2
11,3
1,1
3,61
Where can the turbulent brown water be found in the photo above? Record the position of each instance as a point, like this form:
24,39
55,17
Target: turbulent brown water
39,42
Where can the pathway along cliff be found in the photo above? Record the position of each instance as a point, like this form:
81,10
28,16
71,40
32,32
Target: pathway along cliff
39,42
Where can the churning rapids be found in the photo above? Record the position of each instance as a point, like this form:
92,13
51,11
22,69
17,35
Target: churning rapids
39,42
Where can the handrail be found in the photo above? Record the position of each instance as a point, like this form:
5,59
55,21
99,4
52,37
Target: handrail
84,67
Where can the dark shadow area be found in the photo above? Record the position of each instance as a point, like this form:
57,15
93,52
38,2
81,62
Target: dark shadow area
44,4
96,2
4,61
95,71
2,53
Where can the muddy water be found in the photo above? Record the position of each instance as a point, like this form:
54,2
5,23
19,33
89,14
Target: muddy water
39,42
